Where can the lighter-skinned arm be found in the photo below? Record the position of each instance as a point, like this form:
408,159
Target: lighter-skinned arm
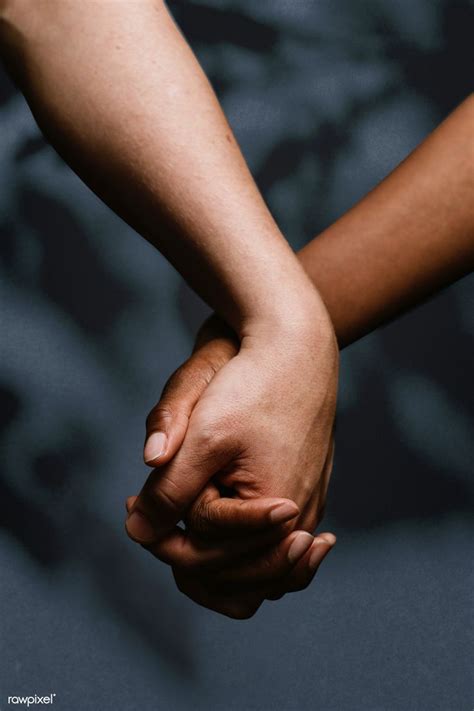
120,95
118,92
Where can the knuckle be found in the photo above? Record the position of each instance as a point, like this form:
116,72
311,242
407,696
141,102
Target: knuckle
199,518
179,378
194,374
212,440
211,436
166,496
159,414
176,557
212,363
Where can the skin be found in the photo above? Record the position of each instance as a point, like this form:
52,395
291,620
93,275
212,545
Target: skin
145,131
420,218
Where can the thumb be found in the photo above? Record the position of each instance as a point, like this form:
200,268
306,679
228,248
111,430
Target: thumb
167,423
170,491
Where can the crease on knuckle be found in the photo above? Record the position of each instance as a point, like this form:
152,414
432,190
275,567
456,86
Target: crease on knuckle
195,374
213,441
160,413
200,518
212,365
167,496
211,436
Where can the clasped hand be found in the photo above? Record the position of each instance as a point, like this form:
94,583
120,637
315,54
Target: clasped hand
241,441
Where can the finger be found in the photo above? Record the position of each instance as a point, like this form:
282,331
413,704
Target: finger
199,554
272,576
167,422
169,491
269,566
242,603
263,520
202,558
301,576
214,516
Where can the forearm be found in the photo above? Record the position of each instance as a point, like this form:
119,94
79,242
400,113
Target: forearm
411,236
119,93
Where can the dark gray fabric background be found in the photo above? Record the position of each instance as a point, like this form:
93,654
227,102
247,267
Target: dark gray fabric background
325,97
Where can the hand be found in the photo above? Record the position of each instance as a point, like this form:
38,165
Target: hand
233,585
170,417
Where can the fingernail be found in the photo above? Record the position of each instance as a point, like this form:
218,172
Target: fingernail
155,447
316,555
283,512
139,528
299,546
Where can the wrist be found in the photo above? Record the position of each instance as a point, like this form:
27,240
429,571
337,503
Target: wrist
295,352
294,315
